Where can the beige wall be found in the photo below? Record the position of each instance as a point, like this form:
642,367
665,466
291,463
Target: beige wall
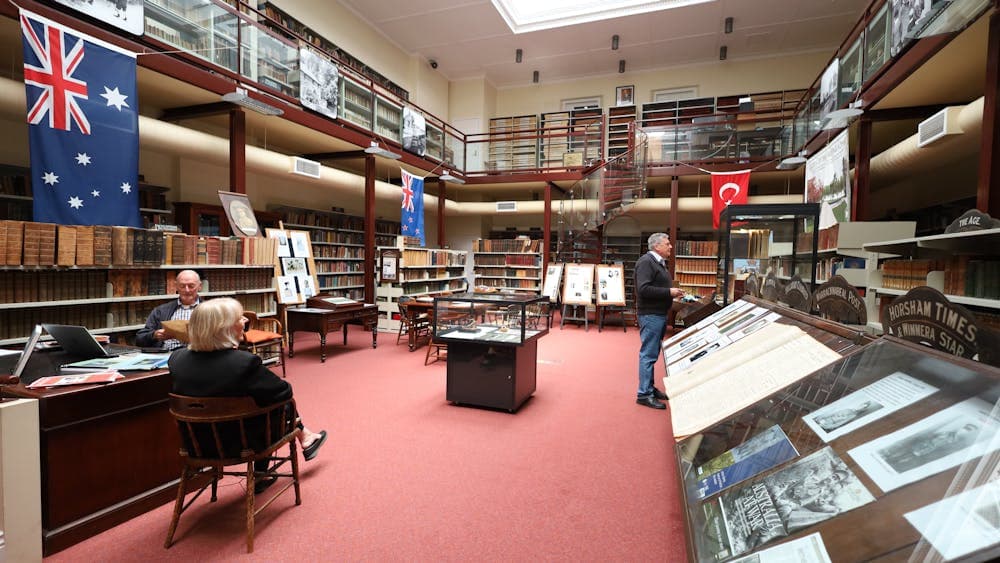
714,79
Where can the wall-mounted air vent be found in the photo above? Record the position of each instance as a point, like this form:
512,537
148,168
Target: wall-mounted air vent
304,167
506,206
938,126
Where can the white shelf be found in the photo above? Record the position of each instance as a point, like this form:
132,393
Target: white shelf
960,299
980,242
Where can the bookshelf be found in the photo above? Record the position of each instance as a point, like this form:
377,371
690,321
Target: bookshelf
269,60
356,103
516,147
109,278
555,139
338,247
585,133
622,247
210,220
423,272
204,30
514,264
963,266
388,119
696,264
619,119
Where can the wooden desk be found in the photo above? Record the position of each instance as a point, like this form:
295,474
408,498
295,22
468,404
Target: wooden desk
108,452
323,321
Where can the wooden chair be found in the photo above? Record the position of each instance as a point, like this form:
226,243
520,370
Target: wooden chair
266,338
409,322
217,432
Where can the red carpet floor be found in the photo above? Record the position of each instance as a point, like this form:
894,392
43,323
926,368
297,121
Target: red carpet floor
580,473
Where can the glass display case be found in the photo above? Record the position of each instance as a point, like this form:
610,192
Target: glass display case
203,29
889,452
492,343
269,60
767,238
495,318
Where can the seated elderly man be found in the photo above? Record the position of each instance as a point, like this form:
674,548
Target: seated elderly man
153,335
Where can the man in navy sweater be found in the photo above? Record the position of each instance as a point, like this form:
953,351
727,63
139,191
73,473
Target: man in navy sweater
654,297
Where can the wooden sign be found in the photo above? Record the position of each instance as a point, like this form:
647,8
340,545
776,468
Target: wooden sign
797,295
925,316
771,288
578,284
751,285
610,285
553,276
972,220
840,301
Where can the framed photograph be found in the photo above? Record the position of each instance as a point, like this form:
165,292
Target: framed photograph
301,248
284,249
240,214
610,285
625,95
390,265
287,292
294,267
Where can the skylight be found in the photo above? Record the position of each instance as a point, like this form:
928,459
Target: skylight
523,16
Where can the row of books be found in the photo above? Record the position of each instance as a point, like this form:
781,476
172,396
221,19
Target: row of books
338,252
16,323
750,244
508,260
695,265
514,284
696,248
343,281
27,286
906,274
433,258
450,285
695,279
335,267
45,244
126,283
972,278
507,245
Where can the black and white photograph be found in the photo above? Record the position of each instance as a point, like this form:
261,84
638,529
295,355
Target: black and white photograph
814,489
414,131
294,266
828,89
284,250
123,14
867,404
287,292
299,241
306,286
319,84
907,17
941,441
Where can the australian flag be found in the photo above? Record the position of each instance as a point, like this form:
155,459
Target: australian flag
83,126
411,216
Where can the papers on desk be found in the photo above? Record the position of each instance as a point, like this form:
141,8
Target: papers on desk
339,301
121,363
311,310
78,379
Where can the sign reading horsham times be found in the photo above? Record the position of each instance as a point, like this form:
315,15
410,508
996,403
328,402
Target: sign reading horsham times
924,315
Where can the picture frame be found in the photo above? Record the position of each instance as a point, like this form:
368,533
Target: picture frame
625,95
242,220
610,284
389,268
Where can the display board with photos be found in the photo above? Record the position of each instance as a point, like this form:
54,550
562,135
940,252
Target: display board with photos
891,449
295,269
553,278
578,284
610,285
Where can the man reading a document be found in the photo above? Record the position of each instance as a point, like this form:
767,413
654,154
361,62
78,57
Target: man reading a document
153,334
653,299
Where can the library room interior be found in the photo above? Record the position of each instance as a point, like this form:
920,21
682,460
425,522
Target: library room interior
706,281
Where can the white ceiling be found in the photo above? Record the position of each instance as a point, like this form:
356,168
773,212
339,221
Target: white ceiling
469,38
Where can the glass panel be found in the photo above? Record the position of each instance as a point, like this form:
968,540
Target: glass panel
204,29
877,42
850,73
269,60
388,119
357,103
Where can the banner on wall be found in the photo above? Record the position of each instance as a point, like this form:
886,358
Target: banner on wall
83,126
828,182
411,216
728,188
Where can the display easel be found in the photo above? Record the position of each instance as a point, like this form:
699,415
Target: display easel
577,292
550,289
610,293
294,268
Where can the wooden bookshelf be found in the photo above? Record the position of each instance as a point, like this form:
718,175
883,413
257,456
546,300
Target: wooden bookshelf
619,119
555,139
514,264
423,272
513,143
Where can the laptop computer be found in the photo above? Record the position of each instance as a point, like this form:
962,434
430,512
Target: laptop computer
22,361
77,341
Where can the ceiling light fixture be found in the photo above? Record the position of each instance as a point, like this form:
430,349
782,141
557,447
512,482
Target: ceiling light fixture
241,98
614,42
723,52
621,66
518,56
376,150
729,25
534,77
793,162
853,109
447,177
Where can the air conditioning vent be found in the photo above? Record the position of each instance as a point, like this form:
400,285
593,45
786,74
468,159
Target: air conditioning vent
304,167
506,206
938,126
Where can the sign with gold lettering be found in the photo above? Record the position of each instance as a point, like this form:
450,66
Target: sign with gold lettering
797,295
925,316
840,301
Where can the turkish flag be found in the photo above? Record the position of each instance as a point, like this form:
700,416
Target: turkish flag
728,188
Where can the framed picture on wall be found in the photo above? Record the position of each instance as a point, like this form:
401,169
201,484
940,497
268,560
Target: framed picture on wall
240,214
390,265
625,95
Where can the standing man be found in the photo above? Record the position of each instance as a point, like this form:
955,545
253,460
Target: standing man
654,297
153,334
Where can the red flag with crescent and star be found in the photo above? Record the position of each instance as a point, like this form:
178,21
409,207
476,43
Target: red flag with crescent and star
728,188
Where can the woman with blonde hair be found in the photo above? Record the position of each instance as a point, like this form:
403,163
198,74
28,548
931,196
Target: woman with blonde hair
213,366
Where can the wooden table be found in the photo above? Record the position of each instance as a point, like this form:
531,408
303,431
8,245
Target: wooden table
108,452
323,321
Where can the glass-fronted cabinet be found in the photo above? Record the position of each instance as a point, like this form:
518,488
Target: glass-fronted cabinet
203,29
388,119
356,105
494,318
764,239
850,72
877,39
269,60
